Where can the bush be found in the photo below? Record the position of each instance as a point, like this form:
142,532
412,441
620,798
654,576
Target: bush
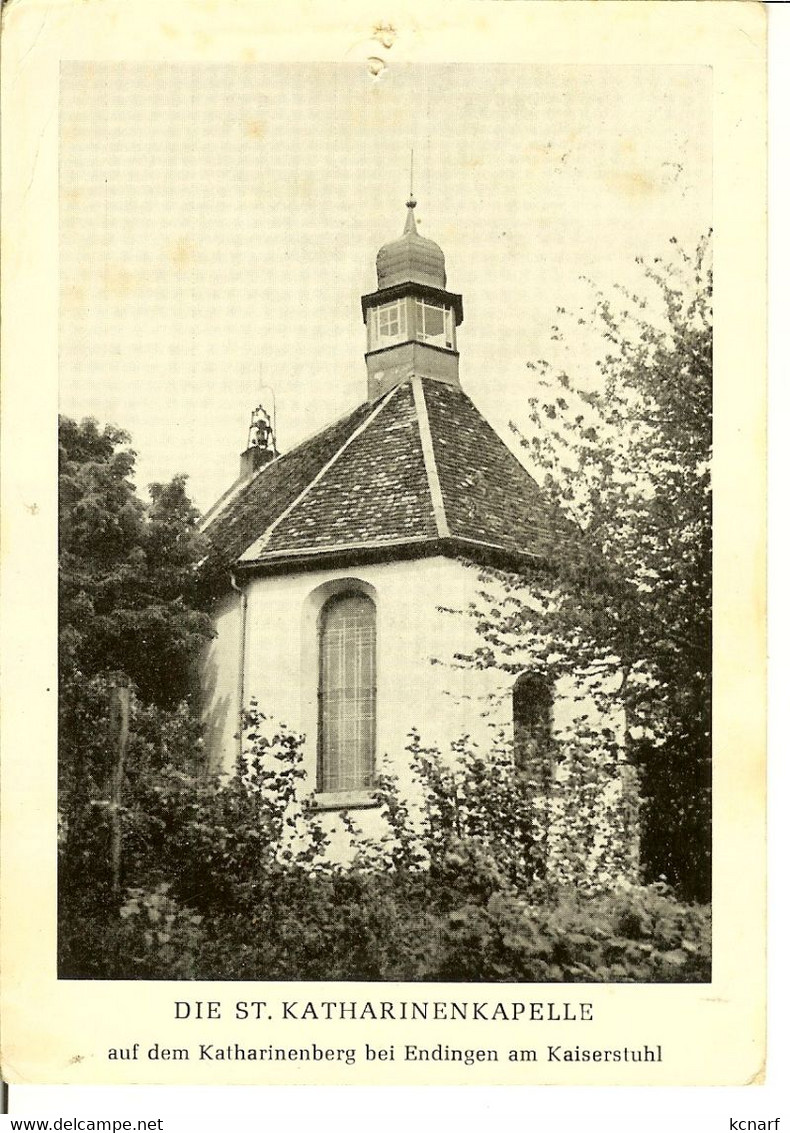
230,878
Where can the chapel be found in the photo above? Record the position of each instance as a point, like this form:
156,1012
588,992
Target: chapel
343,570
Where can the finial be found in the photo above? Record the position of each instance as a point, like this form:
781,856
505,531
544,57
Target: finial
410,225
411,204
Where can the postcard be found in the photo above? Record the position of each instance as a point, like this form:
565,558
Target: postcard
384,543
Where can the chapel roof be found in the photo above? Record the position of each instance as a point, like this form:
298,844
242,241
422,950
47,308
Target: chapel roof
419,471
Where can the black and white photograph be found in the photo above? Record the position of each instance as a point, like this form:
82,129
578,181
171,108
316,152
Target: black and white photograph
416,687
386,485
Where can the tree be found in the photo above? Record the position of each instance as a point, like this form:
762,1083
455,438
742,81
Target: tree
623,450
126,568
126,598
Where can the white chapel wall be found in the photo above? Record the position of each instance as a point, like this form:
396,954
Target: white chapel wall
419,685
220,684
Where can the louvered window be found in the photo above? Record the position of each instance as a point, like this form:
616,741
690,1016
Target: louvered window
347,694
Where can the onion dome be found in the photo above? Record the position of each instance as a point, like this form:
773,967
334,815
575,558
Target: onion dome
411,258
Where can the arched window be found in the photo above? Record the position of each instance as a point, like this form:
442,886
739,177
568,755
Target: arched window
347,693
532,723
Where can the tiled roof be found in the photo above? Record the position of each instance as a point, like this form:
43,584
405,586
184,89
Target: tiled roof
378,489
488,494
419,466
248,509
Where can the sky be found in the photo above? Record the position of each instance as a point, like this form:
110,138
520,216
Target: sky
219,223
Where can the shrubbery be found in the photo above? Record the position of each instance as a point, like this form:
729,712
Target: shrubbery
230,878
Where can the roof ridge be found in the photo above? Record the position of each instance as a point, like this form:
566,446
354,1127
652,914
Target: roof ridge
490,497
429,458
499,440
242,482
262,541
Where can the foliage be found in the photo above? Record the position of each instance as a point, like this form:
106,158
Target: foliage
157,936
126,617
126,598
471,800
231,878
126,568
623,451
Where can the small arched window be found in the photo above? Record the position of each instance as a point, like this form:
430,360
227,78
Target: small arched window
347,693
532,723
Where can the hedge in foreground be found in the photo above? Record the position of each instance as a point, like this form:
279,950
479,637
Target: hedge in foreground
215,888
378,927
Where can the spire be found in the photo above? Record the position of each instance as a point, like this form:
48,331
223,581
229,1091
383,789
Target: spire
411,204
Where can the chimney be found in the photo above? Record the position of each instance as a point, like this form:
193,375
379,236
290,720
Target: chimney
252,459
